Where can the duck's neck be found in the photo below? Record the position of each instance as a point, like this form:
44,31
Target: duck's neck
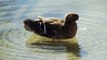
70,28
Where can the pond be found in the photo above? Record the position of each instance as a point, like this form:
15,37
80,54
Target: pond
90,42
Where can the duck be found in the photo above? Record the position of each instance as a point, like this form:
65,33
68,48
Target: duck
53,28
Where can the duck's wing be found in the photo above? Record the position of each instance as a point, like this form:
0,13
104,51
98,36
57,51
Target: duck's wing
54,26
55,23
48,28
52,30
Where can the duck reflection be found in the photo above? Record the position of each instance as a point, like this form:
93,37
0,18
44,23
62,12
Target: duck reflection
72,49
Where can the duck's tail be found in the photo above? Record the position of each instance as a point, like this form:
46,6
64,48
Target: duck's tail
37,27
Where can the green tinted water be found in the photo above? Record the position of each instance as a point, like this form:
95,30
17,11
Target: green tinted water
91,38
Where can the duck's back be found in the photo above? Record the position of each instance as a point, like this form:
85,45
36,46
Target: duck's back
54,28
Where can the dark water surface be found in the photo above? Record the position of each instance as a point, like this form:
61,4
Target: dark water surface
91,36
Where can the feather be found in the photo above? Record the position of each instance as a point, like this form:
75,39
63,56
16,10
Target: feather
53,27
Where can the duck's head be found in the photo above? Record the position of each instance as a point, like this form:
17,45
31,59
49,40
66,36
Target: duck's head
70,24
71,17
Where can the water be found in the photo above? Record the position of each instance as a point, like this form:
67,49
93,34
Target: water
91,38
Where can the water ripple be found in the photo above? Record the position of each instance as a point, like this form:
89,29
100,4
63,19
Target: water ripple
91,35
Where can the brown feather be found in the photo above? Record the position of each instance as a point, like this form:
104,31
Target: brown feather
55,28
